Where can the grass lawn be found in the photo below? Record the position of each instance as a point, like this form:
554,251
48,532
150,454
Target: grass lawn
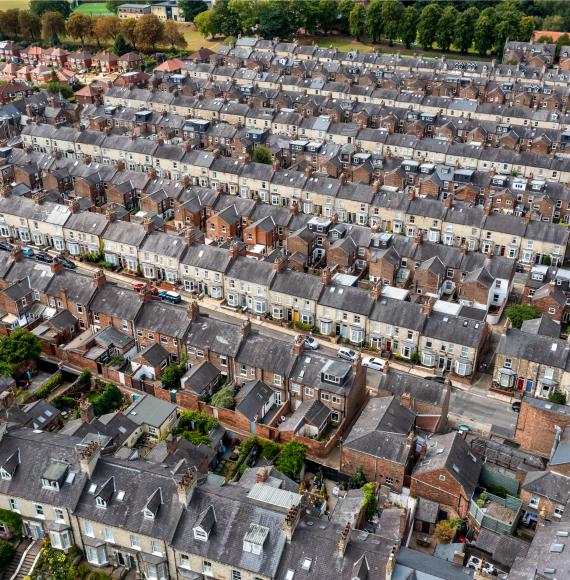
195,40
92,9
8,4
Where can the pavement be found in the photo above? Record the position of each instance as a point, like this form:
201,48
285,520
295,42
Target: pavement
469,404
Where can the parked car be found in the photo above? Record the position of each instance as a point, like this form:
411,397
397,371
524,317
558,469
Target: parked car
374,363
140,286
67,264
311,343
170,296
27,251
6,247
44,257
516,406
347,354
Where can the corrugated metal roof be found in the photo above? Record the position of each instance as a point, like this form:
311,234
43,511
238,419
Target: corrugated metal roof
274,496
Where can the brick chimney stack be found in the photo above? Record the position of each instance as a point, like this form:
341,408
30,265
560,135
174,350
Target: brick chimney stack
56,266
448,202
189,236
246,327
308,171
99,278
344,539
419,238
291,521
88,458
326,276
279,264
186,487
411,193
16,253
427,307
299,344
261,475
86,410
148,224
193,310
376,291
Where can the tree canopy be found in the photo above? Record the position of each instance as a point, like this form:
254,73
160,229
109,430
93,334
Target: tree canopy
261,154
291,459
17,348
518,313
224,398
39,7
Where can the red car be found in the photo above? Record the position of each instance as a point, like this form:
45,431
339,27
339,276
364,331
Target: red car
140,286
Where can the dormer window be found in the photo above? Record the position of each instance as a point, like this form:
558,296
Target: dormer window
48,484
101,502
148,515
4,474
200,534
205,524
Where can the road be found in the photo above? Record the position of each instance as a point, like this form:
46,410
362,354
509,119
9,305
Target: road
477,408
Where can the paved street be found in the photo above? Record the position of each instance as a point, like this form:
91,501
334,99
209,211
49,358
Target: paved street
478,408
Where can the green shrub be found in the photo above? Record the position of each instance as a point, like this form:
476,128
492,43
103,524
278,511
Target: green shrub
270,450
557,397
12,521
85,377
195,421
518,313
196,438
358,479
369,501
49,386
415,358
291,459
109,399
303,326
64,402
224,398
7,551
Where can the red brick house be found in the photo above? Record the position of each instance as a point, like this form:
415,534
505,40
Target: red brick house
381,442
447,473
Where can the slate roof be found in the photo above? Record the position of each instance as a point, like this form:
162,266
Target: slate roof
382,430
218,335
518,344
455,329
548,484
419,389
272,354
451,453
502,548
150,411
200,376
121,303
166,319
255,395
542,326
411,564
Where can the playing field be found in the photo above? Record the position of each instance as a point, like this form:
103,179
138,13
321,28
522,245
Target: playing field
7,4
92,9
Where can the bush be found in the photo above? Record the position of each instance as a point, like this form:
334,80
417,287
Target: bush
12,521
446,529
85,377
270,450
557,397
172,374
109,399
7,551
518,313
415,358
358,480
64,402
303,326
291,459
224,398
370,501
19,347
190,421
49,386
196,438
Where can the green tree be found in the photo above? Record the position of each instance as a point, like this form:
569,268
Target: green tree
149,31
246,13
53,24
291,459
224,398
557,397
408,28
484,29
109,399
7,551
173,36
344,9
445,530
79,26
374,22
106,27
191,8
554,23
370,500
261,154
358,479
507,27
128,30
120,45
357,21
328,12
518,313
428,23
226,19
309,15
446,28
16,349
208,23
171,376
527,26
55,88
10,23
30,25
392,16
39,7
195,421
277,18
464,29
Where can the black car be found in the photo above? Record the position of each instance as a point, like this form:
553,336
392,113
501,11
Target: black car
68,264
44,257
254,456
435,379
516,406
6,246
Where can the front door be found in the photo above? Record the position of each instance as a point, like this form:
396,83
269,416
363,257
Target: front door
389,345
37,531
520,384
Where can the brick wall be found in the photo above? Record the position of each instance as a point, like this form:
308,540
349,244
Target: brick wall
447,493
535,428
376,469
